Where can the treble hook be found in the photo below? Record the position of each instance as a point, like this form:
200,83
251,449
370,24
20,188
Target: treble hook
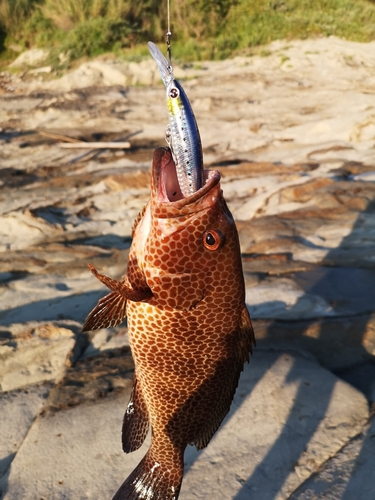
169,50
168,36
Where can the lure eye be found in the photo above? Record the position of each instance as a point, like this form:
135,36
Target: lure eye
174,92
213,239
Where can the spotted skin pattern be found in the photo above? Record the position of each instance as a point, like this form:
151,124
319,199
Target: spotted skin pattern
189,329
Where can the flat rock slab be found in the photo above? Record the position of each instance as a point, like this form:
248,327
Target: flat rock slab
18,409
39,353
338,343
74,454
320,292
288,418
347,475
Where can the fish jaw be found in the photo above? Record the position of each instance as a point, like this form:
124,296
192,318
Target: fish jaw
169,209
165,188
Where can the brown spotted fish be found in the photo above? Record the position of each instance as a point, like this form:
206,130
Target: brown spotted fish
189,329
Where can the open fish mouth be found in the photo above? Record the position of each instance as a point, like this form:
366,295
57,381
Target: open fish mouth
165,186
169,187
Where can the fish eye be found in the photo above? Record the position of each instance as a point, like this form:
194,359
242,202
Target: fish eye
213,239
174,92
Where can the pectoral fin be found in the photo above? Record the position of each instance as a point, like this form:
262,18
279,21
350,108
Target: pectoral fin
110,311
121,287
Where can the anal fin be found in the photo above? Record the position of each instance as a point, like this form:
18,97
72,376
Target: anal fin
136,420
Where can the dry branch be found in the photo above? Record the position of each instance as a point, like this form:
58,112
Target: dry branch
96,145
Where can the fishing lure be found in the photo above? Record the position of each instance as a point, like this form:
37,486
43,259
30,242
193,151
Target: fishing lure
182,131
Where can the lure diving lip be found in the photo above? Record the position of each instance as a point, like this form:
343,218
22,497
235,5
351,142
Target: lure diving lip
182,131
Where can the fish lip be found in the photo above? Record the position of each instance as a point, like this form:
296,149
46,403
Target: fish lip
162,168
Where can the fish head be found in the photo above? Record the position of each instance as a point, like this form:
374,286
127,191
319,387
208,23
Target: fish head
187,248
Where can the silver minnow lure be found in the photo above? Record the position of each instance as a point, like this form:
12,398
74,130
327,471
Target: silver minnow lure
182,132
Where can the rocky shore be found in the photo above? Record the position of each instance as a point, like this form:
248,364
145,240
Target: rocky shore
292,131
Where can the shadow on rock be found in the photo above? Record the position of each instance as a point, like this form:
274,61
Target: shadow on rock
74,306
4,468
328,283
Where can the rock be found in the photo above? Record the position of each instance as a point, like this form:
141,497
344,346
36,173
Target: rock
92,377
31,57
147,73
305,192
15,48
144,73
309,294
107,74
87,75
362,376
371,393
35,355
18,410
23,229
82,456
339,344
300,414
106,340
297,413
366,177
44,69
110,74
345,475
292,136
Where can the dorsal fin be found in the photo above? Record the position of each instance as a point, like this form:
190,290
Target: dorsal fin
244,343
247,338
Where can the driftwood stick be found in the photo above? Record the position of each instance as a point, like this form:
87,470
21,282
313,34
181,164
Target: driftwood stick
59,137
95,145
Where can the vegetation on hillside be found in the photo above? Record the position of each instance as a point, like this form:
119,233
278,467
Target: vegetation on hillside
201,28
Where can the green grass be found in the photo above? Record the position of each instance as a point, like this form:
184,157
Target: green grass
251,24
202,29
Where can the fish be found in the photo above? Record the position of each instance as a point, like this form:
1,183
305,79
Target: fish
190,331
182,131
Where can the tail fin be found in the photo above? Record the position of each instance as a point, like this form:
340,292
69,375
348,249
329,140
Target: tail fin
151,480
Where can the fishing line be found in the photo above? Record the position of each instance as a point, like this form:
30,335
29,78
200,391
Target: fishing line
168,35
